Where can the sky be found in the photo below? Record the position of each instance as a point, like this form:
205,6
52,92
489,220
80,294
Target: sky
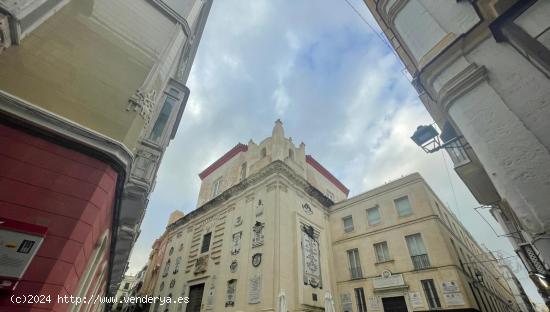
335,84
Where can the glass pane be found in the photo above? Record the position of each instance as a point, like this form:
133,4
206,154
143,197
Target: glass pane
403,206
373,216
415,244
162,119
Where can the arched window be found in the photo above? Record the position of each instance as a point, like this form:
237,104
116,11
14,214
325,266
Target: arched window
290,154
171,251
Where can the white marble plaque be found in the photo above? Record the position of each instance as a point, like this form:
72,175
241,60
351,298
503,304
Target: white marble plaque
345,298
450,287
453,299
388,281
416,299
255,289
373,303
311,258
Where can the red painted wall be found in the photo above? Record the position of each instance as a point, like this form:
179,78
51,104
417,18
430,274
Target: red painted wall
70,193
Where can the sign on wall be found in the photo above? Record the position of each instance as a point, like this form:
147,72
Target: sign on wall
416,299
19,243
454,299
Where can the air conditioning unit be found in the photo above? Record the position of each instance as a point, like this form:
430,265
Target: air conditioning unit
5,37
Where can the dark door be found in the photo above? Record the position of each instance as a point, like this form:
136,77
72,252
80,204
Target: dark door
394,304
195,298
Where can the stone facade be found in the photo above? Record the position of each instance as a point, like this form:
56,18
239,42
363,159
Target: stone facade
482,70
275,230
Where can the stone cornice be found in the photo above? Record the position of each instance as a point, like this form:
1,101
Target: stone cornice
276,167
461,83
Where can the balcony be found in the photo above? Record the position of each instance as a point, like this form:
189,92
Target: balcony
421,262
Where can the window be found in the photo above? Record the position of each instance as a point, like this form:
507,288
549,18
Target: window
162,119
166,268
354,263
161,287
243,171
348,224
126,285
171,251
264,152
290,154
382,252
431,293
360,298
216,187
403,206
181,247
206,242
373,216
418,252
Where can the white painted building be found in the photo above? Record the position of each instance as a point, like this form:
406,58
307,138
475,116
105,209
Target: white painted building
482,70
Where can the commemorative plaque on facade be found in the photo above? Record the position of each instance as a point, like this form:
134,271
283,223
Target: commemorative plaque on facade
387,279
311,257
255,289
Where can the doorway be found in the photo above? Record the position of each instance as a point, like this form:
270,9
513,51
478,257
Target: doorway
394,304
195,298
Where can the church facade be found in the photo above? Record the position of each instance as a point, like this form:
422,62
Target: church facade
272,223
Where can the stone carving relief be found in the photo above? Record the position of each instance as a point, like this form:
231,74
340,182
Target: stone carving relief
256,260
259,208
144,165
255,289
143,103
201,264
307,209
236,245
234,266
211,292
258,234
238,221
231,293
311,257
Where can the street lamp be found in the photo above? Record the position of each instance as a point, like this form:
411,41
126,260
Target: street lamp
427,137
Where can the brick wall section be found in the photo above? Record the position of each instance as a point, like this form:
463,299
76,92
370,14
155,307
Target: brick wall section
70,193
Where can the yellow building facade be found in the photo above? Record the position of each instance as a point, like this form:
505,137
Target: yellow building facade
273,225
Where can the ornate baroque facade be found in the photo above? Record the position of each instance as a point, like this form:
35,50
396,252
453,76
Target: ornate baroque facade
271,220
